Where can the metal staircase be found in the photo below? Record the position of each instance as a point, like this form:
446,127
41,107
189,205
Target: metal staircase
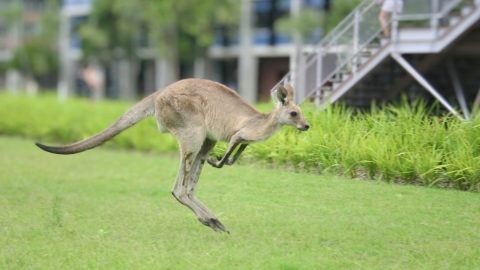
355,56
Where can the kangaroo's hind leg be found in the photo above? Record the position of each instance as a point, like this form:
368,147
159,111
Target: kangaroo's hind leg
197,166
191,145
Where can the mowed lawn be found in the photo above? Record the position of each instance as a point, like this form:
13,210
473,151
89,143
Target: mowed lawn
107,209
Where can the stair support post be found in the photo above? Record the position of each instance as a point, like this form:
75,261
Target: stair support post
356,40
318,83
422,81
458,87
476,103
435,20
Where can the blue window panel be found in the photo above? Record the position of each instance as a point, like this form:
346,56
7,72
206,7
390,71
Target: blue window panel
283,5
76,2
217,39
75,42
282,39
263,6
262,36
75,23
314,3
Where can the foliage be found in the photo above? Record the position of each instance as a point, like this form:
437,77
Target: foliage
116,29
36,56
339,10
114,210
188,24
398,143
402,143
11,13
112,31
47,119
310,20
306,23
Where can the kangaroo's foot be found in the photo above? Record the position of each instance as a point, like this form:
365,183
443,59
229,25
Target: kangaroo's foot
229,162
215,162
213,223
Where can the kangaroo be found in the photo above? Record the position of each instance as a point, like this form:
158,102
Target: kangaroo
199,113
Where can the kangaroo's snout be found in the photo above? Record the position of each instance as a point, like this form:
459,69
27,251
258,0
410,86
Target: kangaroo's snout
304,127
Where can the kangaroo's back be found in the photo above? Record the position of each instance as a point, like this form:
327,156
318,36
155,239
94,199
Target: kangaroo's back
220,108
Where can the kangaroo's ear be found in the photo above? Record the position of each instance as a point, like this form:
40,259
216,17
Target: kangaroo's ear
280,95
290,90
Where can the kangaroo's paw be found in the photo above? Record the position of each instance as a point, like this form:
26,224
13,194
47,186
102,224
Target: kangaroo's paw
214,223
214,162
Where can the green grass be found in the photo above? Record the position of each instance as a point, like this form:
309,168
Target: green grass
106,209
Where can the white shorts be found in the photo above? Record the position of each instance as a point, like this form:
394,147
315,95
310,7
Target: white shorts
392,5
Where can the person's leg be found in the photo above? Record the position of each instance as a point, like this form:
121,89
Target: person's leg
384,18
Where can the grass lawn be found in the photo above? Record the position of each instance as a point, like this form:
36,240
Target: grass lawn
107,209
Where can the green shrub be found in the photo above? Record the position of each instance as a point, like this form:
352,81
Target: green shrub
402,143
44,118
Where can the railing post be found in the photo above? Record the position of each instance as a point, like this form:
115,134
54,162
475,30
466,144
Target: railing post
457,86
356,39
395,19
318,83
301,75
435,16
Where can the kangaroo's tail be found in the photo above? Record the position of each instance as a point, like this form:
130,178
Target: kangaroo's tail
138,112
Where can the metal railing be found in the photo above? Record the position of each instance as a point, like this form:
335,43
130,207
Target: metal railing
341,51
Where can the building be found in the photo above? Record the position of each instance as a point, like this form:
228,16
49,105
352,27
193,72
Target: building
259,55
251,58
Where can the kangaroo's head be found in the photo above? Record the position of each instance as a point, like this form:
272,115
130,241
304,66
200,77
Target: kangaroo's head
287,111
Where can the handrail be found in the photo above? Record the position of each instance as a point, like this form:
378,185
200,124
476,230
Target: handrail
347,20
355,33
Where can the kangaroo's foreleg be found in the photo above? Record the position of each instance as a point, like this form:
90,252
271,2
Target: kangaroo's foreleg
237,154
219,163
234,142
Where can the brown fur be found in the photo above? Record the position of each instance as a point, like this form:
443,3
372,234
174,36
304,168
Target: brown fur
199,113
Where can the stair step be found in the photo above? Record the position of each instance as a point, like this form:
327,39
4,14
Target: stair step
326,89
337,78
365,53
453,20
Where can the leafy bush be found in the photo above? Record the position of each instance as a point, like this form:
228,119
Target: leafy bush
398,144
46,119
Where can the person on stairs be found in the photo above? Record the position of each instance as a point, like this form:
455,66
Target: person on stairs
387,8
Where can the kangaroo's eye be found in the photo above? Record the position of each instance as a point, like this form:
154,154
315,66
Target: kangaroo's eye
293,114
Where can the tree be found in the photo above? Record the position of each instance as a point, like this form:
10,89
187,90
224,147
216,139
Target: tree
310,20
305,24
35,55
338,11
178,30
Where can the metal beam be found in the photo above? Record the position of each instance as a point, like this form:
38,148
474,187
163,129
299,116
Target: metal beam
457,86
476,103
410,69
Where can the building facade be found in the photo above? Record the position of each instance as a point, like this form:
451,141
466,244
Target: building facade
250,57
